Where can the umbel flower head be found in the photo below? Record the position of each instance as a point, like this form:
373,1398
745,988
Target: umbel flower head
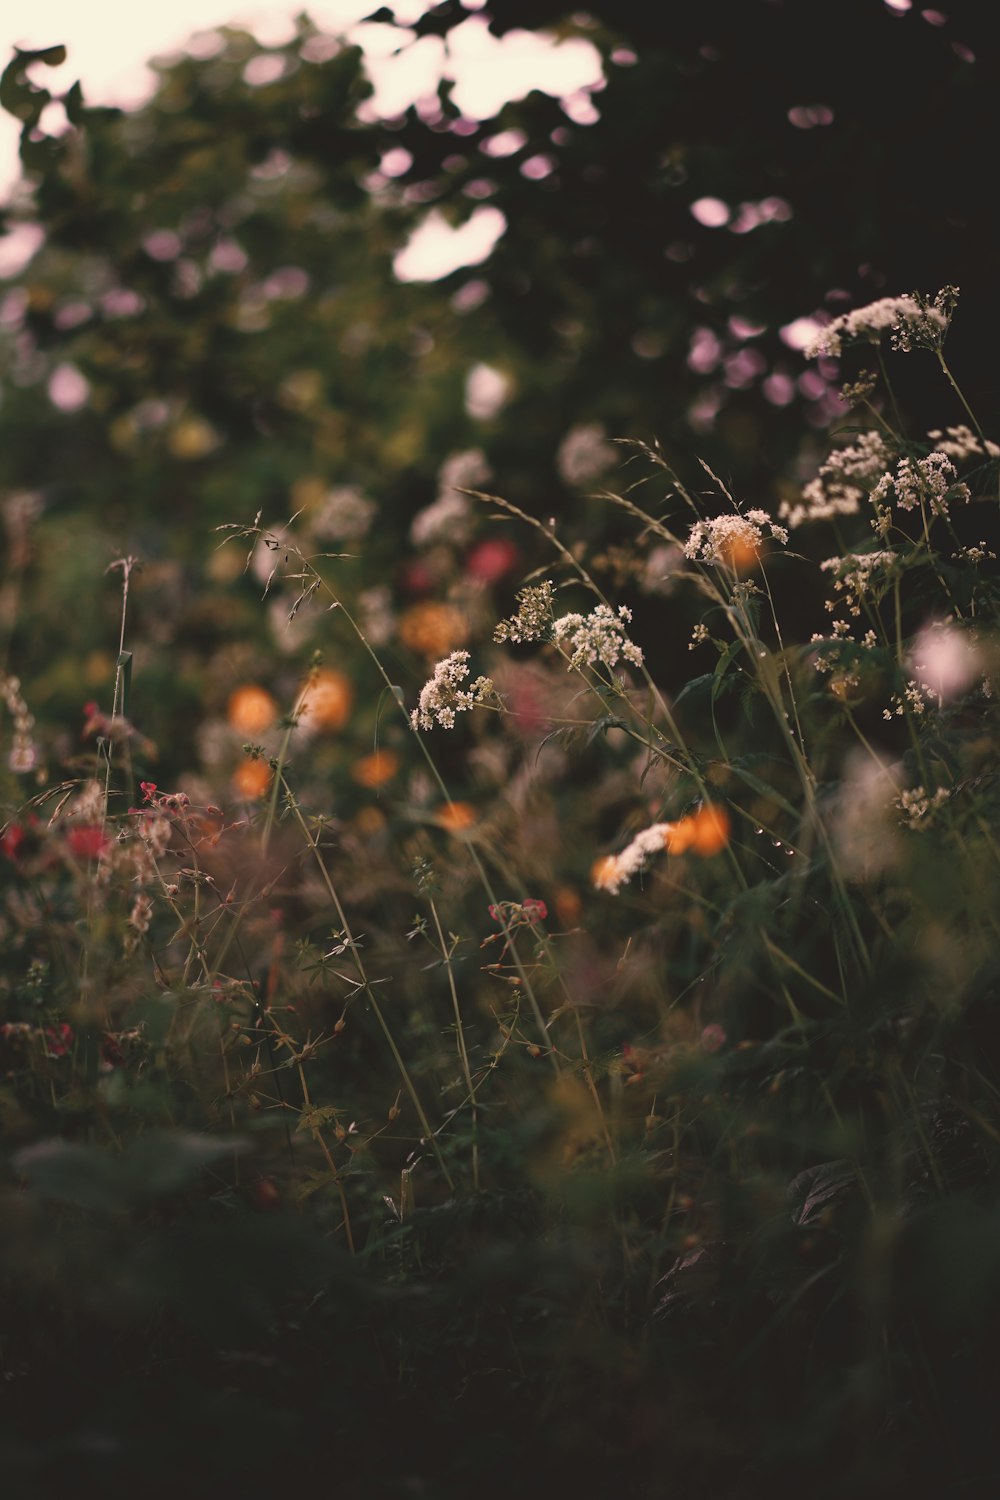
444,695
731,539
914,321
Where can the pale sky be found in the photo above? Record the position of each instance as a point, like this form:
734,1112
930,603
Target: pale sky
110,41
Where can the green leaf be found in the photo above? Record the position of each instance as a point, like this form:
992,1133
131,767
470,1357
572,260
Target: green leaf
18,95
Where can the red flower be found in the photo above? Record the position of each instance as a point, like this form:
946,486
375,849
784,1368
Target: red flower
491,560
87,842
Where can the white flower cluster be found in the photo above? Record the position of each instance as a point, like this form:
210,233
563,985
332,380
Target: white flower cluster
912,699
584,454
345,514
599,637
449,516
855,575
917,806
913,321
730,537
842,482
534,614
917,483
444,696
617,869
23,754
961,442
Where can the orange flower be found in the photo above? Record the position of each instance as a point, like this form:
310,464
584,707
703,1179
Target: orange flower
251,709
325,702
604,874
740,554
710,831
376,769
455,816
252,778
678,836
705,832
433,629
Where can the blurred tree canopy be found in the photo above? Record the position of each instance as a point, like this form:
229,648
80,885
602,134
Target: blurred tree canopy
211,326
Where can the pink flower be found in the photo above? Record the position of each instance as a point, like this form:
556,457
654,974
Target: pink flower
712,1038
491,560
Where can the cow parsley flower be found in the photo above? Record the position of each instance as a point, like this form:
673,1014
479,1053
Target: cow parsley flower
534,615
599,637
929,481
731,538
914,321
444,695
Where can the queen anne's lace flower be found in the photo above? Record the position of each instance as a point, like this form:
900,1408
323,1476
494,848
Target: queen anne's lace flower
534,615
598,637
929,481
914,321
856,573
728,537
444,696
842,482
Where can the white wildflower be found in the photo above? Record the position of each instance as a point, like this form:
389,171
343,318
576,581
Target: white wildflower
599,637
584,454
918,806
961,442
975,553
842,482
911,701
617,870
857,574
534,615
448,518
913,320
444,695
920,482
345,514
698,636
731,538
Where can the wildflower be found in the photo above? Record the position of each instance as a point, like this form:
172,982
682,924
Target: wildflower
251,709
918,806
491,560
325,702
731,539
918,482
857,573
444,696
961,442
431,628
520,913
376,769
58,1039
911,700
455,817
842,482
704,832
345,515
534,615
913,321
698,636
23,754
252,778
87,842
584,454
598,637
712,1037
141,914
